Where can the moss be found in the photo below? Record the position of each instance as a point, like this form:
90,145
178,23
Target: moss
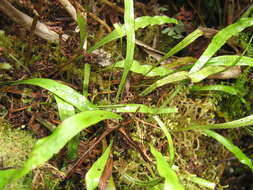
195,153
236,107
243,40
15,146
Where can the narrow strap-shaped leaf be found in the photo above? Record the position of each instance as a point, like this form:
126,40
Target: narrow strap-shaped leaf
225,60
169,98
231,147
182,75
175,77
137,182
6,176
139,108
228,60
169,138
46,147
140,22
219,40
248,12
205,72
195,76
181,45
164,169
129,28
82,23
243,122
86,79
110,185
184,43
228,89
200,181
65,111
92,177
63,91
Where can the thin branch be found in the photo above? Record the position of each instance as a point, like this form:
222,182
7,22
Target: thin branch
110,4
72,11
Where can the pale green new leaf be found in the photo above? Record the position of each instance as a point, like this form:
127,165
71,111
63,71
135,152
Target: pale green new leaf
164,169
231,147
219,40
92,177
129,28
63,91
139,22
175,77
46,147
139,108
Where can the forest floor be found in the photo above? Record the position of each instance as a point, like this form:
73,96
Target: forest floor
28,113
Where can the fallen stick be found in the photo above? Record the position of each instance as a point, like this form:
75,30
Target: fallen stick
21,18
69,8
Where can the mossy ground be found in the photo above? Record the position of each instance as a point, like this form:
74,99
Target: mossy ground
195,153
15,146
